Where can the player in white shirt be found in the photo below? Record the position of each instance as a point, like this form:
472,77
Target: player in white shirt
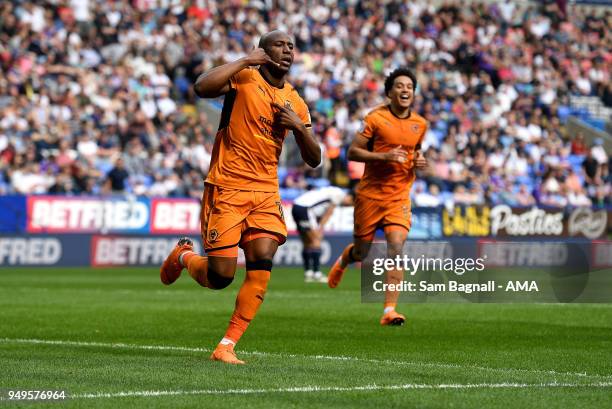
311,211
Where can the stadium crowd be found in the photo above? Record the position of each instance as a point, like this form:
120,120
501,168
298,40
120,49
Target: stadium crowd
96,98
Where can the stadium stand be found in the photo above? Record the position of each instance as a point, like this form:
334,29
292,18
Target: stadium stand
96,99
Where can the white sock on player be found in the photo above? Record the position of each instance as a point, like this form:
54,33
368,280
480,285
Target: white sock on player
181,257
227,341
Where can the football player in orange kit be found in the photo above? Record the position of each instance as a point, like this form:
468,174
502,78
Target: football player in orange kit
389,144
241,205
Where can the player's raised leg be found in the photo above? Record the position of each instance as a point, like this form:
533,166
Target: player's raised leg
172,267
220,236
215,271
259,254
396,237
367,215
352,253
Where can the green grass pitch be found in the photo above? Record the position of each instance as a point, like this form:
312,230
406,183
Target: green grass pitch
118,338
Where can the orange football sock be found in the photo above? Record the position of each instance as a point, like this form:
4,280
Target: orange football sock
197,266
347,256
393,277
250,297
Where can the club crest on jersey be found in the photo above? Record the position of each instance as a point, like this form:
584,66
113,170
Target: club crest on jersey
288,105
415,128
213,235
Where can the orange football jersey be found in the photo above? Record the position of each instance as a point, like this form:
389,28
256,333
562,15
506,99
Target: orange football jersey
385,131
248,145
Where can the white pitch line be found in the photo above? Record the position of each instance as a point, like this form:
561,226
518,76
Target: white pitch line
281,355
309,389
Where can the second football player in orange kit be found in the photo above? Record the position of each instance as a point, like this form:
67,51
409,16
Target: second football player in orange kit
389,144
241,205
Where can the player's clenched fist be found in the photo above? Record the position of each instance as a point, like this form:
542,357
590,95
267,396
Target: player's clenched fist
259,57
286,117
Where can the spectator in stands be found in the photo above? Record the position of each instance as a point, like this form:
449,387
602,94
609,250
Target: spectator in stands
592,170
117,177
30,180
462,196
600,195
423,198
579,147
578,198
496,80
524,197
598,152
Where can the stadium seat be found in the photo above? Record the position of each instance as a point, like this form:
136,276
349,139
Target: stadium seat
104,166
318,182
282,173
524,180
576,160
290,193
506,140
563,112
147,180
598,124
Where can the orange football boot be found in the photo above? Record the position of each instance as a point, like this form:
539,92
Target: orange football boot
335,274
392,318
225,353
171,268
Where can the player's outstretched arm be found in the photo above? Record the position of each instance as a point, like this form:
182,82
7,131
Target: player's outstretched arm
216,81
359,152
309,148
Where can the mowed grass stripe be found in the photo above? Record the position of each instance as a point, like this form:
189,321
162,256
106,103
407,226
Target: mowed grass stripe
297,356
157,340
314,389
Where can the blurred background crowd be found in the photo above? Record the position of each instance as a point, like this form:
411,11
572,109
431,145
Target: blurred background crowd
95,96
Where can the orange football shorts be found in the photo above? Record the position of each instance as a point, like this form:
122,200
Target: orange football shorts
232,217
372,213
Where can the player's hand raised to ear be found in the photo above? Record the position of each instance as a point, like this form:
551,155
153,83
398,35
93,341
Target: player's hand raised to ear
286,117
420,162
259,57
397,154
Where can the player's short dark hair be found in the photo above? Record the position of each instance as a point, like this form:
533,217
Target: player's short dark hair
399,72
265,39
